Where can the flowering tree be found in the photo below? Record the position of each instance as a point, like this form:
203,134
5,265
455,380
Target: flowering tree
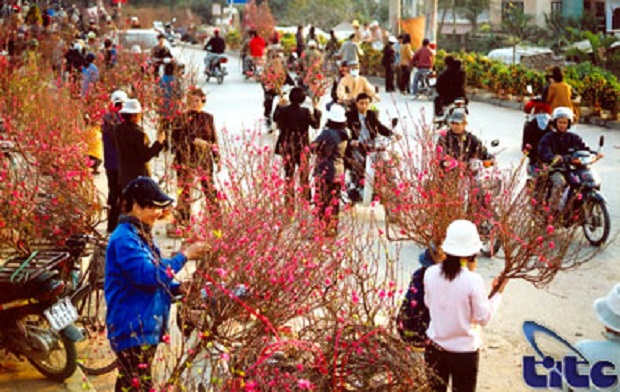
426,191
259,18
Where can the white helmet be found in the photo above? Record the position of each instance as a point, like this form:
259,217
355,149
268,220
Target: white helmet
118,96
562,112
462,239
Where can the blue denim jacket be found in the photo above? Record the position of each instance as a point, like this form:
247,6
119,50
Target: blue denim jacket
138,287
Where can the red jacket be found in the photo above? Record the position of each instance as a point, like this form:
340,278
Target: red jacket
423,58
257,46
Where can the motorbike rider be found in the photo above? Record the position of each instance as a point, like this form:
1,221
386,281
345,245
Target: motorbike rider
458,144
214,47
423,59
365,126
159,53
256,48
556,148
534,130
450,85
352,85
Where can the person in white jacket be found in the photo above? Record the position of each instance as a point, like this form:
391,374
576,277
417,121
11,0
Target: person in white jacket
458,306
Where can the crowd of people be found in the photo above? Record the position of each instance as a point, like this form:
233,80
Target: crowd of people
139,283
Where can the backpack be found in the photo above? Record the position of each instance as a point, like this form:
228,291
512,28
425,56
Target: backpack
413,316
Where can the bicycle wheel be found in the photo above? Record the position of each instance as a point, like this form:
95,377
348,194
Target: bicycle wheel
95,356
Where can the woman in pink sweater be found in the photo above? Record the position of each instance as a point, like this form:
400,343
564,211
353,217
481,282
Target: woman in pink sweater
458,306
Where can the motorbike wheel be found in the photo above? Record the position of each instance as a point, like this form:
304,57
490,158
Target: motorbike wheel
61,361
596,223
96,355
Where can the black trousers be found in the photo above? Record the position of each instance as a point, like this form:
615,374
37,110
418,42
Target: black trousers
114,196
185,180
270,95
300,162
443,365
405,74
389,78
134,369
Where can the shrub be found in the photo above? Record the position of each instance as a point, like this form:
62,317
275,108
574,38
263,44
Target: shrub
233,39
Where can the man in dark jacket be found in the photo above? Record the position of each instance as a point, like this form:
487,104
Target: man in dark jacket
389,57
458,145
294,123
195,149
132,144
110,157
556,147
139,284
365,127
330,147
450,85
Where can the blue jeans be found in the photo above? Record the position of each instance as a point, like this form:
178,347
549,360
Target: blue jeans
417,77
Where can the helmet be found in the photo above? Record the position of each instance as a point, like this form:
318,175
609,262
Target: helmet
562,112
118,96
92,35
462,239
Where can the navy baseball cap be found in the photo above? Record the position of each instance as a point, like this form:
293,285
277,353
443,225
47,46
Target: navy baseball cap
147,191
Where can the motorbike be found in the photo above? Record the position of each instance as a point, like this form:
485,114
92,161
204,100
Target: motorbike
582,202
362,189
427,85
487,177
253,69
214,66
36,322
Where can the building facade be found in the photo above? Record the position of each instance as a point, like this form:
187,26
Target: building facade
606,12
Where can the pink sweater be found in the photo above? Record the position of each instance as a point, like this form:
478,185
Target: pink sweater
457,308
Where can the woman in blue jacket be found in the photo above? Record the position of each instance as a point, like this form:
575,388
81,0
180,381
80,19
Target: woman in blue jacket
139,284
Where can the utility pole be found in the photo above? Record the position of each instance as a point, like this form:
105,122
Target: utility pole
430,12
395,16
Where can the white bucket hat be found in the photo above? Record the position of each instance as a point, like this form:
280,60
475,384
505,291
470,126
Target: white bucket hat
608,309
462,239
337,114
118,96
131,106
312,43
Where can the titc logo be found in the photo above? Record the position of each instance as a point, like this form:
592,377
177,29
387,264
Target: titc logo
570,371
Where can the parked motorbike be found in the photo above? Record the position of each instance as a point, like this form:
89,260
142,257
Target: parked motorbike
582,202
36,323
214,67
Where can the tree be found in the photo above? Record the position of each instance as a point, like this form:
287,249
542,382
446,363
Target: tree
471,10
516,24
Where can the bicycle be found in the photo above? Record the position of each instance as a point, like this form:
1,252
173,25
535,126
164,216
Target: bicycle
95,357
95,354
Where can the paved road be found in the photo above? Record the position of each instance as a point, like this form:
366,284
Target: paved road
566,305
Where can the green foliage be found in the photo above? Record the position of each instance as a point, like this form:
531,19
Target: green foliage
233,39
370,62
33,17
596,86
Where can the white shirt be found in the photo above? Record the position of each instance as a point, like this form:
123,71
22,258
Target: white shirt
457,308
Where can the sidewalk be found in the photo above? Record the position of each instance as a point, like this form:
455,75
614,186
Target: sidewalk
486,97
18,376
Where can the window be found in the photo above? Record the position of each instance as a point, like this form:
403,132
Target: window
556,6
